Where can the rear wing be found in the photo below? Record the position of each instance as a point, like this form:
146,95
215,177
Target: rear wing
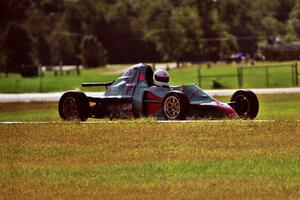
106,84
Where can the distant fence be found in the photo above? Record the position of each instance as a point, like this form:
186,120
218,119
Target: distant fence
66,69
281,75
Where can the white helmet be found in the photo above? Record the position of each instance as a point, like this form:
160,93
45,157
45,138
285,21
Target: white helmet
161,78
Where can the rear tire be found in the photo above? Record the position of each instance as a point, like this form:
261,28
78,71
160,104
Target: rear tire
246,104
74,106
174,106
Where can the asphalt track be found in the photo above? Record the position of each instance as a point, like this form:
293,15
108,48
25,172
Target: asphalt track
55,96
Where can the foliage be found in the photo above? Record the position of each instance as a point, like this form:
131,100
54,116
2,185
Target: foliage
11,11
294,22
19,48
93,53
174,30
64,49
150,30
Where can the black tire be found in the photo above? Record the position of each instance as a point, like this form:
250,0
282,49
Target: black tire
175,106
245,104
74,106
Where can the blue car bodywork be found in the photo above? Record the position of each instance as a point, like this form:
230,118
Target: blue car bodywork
134,95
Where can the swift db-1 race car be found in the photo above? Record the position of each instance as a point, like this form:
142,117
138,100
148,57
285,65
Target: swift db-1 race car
134,95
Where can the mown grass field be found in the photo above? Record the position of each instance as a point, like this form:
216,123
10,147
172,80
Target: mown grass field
144,159
14,83
272,107
253,78
148,160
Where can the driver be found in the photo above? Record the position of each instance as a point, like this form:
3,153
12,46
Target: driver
161,78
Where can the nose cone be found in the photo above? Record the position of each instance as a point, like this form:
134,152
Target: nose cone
228,110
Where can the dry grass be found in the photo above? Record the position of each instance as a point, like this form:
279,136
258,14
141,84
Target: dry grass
145,159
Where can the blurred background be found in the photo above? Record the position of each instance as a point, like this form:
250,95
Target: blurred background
214,43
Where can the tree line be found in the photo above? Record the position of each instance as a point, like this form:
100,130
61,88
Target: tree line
94,32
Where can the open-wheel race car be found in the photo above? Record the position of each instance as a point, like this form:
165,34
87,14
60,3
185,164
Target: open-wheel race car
134,95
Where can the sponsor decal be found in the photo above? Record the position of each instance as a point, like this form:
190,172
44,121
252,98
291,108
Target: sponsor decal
142,77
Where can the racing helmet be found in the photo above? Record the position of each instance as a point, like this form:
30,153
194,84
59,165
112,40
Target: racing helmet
161,78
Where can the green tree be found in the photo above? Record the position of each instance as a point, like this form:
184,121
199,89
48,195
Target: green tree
271,17
120,35
149,30
294,23
216,37
43,50
19,49
239,15
64,48
11,11
174,29
282,9
187,34
92,52
66,36
40,29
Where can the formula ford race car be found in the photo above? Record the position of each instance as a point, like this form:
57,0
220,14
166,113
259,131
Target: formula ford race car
134,95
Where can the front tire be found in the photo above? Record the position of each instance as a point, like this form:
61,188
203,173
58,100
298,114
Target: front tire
174,106
245,104
74,106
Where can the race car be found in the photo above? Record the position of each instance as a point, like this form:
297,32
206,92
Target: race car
135,95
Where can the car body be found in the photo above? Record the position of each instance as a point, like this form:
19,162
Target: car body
134,95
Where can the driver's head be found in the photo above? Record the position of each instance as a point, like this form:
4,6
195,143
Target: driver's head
161,78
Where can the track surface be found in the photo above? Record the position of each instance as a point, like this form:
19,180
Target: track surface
54,97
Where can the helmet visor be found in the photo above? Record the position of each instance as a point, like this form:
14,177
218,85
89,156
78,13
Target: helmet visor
164,79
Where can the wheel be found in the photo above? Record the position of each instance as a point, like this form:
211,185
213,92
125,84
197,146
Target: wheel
174,106
246,104
74,106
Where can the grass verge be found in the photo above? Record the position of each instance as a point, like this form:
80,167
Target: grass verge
253,78
275,106
132,159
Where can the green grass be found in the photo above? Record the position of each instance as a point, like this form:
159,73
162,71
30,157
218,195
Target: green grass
279,107
49,83
253,78
131,159
143,159
133,175
272,106
276,106
29,112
